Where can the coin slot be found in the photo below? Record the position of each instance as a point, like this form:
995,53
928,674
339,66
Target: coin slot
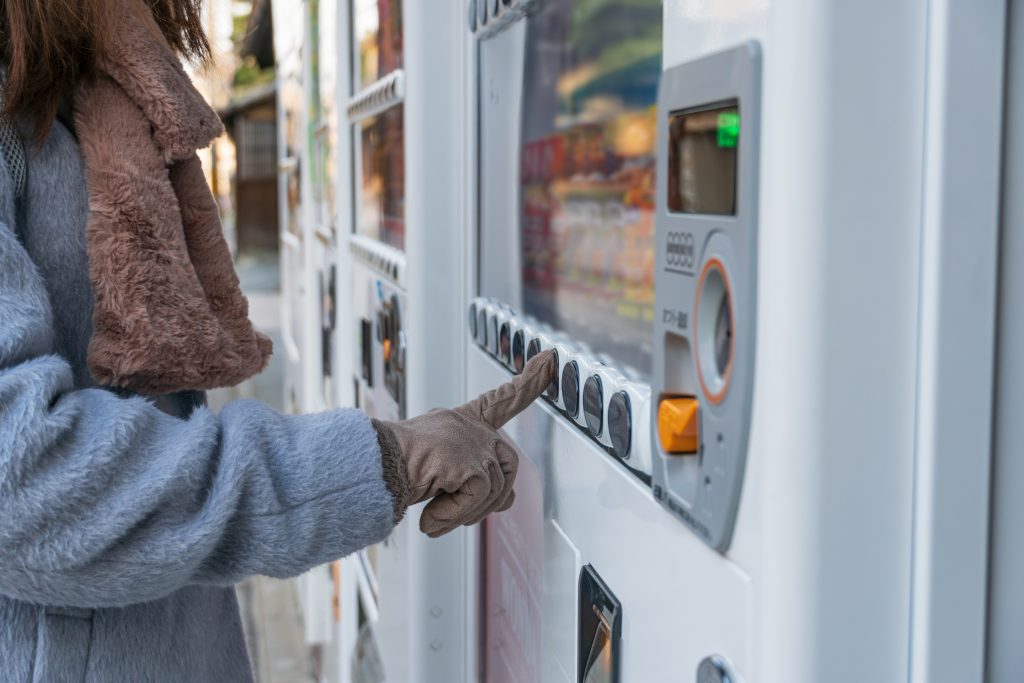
714,329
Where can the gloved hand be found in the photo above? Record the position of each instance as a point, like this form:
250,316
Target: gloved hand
458,458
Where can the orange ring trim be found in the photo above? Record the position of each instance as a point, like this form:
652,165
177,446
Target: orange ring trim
716,263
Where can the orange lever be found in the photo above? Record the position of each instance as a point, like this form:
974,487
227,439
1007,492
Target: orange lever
678,425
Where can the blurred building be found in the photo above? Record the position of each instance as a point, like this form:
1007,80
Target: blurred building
239,84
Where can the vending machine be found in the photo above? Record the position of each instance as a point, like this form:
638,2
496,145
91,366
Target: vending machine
289,37
761,238
400,273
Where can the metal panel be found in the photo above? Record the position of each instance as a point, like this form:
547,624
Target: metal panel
1005,656
960,223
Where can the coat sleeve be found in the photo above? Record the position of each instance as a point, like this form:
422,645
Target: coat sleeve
107,501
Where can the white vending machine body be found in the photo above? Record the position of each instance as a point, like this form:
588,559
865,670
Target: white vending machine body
740,268
403,602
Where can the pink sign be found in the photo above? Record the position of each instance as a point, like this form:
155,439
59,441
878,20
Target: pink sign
513,580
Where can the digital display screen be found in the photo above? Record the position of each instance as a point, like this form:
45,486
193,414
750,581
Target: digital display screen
587,165
380,177
702,161
376,40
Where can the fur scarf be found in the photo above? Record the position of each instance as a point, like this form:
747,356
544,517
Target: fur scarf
169,313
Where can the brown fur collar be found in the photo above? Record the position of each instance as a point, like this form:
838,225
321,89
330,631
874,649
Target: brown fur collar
169,313
143,64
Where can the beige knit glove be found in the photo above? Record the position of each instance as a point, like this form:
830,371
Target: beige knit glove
458,458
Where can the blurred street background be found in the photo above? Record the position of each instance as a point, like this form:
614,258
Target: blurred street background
241,167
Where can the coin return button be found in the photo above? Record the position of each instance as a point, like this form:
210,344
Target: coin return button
678,426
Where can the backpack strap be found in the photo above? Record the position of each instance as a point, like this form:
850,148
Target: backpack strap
14,158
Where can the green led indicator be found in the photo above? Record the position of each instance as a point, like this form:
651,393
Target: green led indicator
728,128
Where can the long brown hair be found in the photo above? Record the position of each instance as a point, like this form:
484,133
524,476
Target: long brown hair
49,46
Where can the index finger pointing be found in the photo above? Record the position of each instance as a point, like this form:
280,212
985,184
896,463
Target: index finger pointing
498,406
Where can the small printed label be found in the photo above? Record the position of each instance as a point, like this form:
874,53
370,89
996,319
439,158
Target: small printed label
677,319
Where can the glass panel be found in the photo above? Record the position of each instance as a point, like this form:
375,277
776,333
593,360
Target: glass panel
702,161
380,177
587,172
376,40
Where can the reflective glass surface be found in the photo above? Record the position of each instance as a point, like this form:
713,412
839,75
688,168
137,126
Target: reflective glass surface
376,40
599,662
380,177
587,172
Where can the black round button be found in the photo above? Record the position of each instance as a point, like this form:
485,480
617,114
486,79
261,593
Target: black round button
714,669
518,358
571,388
472,320
481,328
552,392
504,344
532,349
620,423
593,404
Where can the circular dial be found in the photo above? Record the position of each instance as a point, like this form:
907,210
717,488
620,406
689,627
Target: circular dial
571,388
518,352
472,320
714,330
593,404
620,423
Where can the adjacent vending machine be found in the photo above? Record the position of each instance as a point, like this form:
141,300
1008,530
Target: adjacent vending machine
752,232
400,263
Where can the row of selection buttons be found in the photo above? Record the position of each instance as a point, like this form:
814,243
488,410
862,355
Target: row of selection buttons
487,17
591,393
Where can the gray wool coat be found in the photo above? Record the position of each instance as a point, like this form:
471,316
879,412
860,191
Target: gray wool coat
124,522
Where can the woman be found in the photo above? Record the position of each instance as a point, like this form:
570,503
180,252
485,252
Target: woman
127,509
